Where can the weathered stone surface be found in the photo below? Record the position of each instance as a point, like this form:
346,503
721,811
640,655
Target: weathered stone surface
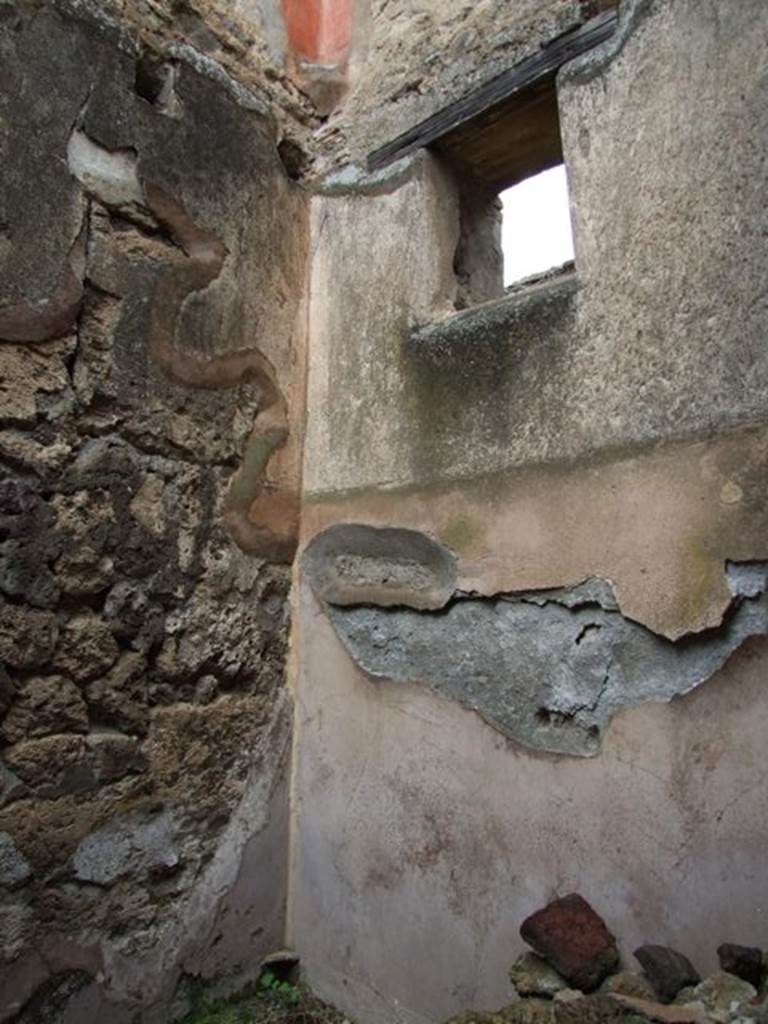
417,58
173,289
52,765
570,936
525,1011
551,669
721,994
27,637
114,755
16,929
533,976
28,377
127,848
86,648
14,868
626,983
567,996
746,962
120,698
45,705
219,631
667,970
648,1010
11,786
32,455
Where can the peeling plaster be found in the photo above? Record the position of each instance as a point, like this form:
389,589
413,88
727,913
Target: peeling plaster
548,669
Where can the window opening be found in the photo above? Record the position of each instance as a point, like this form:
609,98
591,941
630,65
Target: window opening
536,231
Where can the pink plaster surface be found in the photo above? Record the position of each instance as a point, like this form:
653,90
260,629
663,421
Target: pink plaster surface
423,838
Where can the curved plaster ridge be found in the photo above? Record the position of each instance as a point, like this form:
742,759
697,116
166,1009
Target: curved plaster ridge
262,518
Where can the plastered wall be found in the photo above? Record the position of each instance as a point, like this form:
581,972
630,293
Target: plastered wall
576,702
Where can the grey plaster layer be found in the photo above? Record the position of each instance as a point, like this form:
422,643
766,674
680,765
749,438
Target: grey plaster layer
549,671
351,564
126,848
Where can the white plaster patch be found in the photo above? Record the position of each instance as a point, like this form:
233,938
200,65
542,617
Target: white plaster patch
110,175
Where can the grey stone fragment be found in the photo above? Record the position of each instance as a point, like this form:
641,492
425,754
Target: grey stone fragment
667,970
626,983
533,976
724,993
746,962
127,849
14,867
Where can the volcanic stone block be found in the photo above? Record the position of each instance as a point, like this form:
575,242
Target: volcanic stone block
45,705
667,970
746,962
570,936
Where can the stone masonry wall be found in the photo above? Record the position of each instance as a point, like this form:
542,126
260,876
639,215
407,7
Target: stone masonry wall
410,58
150,349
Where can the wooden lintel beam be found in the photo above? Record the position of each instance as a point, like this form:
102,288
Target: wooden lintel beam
529,72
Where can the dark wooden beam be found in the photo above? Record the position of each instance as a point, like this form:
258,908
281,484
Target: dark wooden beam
535,70
508,143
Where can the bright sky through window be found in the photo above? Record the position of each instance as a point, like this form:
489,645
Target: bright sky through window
536,225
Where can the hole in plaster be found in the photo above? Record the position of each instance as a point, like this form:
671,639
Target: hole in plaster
294,159
154,82
545,716
591,627
536,231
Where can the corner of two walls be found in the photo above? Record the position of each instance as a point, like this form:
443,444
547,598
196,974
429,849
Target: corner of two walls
532,599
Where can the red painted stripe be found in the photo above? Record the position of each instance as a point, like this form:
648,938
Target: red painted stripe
319,31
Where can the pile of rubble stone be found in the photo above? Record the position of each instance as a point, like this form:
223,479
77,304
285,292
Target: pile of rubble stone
574,976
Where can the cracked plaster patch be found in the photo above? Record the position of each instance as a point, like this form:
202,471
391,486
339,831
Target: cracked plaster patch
550,668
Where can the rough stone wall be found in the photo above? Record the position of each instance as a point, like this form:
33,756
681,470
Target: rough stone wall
151,339
410,58
532,620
